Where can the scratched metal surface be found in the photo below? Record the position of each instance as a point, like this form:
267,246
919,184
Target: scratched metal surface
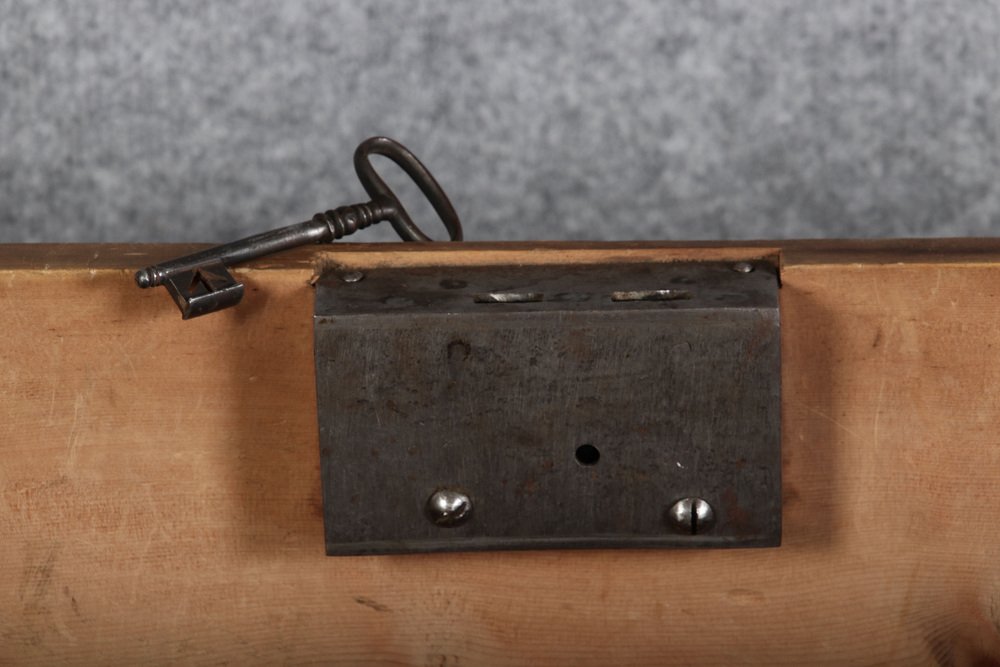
421,386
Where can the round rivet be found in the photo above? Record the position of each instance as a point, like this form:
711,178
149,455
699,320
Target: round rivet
449,508
743,267
691,516
353,277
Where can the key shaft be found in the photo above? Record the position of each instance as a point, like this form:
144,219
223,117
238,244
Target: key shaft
252,247
200,283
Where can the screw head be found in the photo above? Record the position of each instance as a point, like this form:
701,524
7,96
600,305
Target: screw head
743,267
448,508
691,516
353,277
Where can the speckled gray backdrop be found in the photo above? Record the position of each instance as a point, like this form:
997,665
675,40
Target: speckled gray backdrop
166,121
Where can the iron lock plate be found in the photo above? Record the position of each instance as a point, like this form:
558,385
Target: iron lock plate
566,406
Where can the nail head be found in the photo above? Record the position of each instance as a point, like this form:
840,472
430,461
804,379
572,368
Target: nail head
447,507
353,277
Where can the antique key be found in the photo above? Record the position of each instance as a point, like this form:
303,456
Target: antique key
200,283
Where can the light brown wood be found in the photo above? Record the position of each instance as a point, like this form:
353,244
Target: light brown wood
159,483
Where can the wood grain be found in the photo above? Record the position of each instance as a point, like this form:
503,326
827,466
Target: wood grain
159,484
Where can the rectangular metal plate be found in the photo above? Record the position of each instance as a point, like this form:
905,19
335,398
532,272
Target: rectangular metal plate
489,380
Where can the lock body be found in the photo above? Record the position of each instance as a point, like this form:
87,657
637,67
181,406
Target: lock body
631,405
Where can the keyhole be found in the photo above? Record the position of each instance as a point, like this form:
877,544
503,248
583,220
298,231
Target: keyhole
587,455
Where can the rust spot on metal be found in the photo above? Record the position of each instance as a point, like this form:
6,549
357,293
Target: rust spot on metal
740,520
459,350
527,487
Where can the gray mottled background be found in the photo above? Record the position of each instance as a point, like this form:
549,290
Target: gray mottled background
167,121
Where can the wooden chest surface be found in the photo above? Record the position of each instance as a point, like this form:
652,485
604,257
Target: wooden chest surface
160,493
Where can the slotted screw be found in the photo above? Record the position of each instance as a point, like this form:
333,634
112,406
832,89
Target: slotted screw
691,516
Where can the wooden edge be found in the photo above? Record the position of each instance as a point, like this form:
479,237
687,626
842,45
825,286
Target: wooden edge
48,257
161,497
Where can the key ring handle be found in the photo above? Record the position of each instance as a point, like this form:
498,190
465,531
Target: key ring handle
390,208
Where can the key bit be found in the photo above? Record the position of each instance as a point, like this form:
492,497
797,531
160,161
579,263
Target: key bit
203,290
201,283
